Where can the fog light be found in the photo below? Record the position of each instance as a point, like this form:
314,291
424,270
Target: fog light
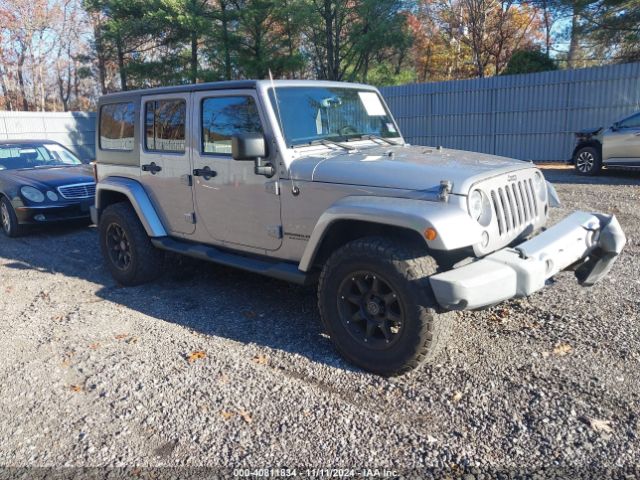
40,217
485,239
430,234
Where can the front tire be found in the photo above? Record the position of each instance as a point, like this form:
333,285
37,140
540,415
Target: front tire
588,161
9,220
376,304
126,247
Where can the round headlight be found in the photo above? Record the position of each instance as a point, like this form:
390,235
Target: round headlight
540,185
480,207
52,196
475,204
32,194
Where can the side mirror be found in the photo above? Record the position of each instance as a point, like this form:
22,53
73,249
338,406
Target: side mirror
248,146
615,126
252,146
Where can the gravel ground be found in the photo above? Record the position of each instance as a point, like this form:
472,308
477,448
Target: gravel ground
218,368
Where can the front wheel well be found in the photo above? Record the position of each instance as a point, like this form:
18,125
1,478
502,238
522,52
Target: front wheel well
589,143
342,232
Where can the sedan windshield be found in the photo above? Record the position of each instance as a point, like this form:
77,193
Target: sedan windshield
16,156
311,115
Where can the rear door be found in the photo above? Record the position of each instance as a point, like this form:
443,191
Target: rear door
233,204
165,159
622,145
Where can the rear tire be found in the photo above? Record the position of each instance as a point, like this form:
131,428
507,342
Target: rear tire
9,220
588,161
376,304
126,247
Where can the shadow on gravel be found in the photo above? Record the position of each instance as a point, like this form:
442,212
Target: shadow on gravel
562,174
207,298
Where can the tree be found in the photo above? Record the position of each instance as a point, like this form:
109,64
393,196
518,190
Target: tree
529,61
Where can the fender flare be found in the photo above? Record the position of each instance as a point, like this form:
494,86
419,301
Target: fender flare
455,228
139,200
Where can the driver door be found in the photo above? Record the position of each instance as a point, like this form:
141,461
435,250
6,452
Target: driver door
233,204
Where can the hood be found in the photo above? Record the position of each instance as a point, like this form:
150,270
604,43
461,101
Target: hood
404,167
51,177
588,132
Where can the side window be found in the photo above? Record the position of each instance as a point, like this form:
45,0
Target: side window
165,125
116,126
631,122
224,117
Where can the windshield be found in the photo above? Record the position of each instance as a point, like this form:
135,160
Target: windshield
35,155
311,114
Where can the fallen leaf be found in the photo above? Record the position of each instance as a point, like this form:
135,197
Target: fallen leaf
227,415
197,355
603,426
499,315
457,397
121,336
94,346
562,349
75,388
245,416
261,359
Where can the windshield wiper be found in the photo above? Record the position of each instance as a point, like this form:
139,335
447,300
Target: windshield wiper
328,142
370,136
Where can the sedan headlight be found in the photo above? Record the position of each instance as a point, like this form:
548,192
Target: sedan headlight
540,186
32,194
480,207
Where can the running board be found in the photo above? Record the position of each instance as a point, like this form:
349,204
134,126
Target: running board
288,272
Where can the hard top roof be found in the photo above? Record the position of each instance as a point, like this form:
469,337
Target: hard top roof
224,85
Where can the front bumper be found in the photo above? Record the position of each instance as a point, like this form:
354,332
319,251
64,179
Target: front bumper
586,242
42,214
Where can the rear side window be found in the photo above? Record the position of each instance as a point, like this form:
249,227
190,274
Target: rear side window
224,117
165,125
116,126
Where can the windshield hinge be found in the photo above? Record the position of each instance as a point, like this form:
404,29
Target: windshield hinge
445,190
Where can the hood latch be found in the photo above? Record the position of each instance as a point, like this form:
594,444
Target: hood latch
445,190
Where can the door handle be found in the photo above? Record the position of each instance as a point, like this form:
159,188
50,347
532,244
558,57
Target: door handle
205,173
151,167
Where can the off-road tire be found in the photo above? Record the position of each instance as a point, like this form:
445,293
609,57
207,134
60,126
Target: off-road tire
588,161
146,261
12,228
407,270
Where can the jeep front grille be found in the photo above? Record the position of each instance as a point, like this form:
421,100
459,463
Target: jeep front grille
78,191
515,205
516,208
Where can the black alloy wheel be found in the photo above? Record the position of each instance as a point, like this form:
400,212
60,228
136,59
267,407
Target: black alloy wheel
370,310
118,246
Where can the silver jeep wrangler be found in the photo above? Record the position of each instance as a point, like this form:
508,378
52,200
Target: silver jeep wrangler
312,182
